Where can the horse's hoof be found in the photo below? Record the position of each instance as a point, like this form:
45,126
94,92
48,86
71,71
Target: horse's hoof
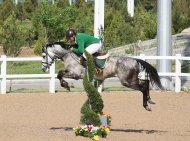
151,102
147,108
72,85
68,89
65,86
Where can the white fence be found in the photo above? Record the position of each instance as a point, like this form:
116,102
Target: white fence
51,75
4,76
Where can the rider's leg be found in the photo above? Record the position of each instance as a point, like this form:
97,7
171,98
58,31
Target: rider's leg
93,48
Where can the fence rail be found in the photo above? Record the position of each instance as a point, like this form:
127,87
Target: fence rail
4,76
51,75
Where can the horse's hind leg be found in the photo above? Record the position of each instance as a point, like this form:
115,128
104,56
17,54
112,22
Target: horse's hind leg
63,83
148,95
144,88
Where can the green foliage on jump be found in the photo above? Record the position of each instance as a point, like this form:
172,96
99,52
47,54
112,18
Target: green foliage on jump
94,104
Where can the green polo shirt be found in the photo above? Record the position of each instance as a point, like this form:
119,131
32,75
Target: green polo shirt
84,40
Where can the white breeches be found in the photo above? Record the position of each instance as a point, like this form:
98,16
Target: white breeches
93,48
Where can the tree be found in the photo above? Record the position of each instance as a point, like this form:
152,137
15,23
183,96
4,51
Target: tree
42,40
20,11
13,36
117,32
62,3
145,24
180,15
55,20
6,9
84,20
29,8
149,5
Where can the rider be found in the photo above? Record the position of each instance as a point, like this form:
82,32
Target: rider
84,42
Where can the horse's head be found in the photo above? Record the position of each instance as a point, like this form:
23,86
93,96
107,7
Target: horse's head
51,52
48,57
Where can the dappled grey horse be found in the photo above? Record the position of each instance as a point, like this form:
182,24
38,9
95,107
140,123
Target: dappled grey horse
125,68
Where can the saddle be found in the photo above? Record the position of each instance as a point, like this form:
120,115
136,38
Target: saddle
100,55
99,59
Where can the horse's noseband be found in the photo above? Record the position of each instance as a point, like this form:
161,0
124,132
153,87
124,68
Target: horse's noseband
46,54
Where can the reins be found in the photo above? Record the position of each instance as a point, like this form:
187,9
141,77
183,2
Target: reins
44,50
75,57
47,54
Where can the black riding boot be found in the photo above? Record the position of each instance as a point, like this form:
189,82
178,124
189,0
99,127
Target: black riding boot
83,61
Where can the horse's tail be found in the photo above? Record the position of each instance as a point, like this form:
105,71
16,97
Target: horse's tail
152,73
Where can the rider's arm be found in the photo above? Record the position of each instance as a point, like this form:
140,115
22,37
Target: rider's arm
80,48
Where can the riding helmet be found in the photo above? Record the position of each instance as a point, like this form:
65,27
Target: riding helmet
70,32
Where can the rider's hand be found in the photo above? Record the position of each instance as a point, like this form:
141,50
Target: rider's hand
70,49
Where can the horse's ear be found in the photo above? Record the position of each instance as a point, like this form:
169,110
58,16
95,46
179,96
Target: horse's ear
43,48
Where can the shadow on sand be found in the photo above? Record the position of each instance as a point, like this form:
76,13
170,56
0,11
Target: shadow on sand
62,128
116,130
138,131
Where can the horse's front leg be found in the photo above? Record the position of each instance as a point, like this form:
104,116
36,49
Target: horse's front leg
63,83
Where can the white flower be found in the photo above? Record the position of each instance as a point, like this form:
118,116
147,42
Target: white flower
94,129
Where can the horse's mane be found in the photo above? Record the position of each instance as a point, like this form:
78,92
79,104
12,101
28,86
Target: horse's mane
62,44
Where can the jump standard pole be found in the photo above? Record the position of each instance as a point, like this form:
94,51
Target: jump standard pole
164,40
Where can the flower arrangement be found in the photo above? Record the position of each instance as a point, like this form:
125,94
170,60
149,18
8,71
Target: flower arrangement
94,132
91,131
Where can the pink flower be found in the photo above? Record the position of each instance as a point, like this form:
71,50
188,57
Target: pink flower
105,126
90,127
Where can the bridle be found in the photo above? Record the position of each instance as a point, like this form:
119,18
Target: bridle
45,54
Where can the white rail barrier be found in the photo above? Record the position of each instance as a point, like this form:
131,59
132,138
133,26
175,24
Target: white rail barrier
51,75
4,76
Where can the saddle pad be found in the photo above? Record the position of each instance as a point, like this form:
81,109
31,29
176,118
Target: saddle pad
100,63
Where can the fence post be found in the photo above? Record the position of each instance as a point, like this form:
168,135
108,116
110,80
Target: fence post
142,56
52,78
3,74
177,73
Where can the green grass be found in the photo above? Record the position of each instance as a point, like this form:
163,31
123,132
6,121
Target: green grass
45,90
185,69
29,67
80,89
